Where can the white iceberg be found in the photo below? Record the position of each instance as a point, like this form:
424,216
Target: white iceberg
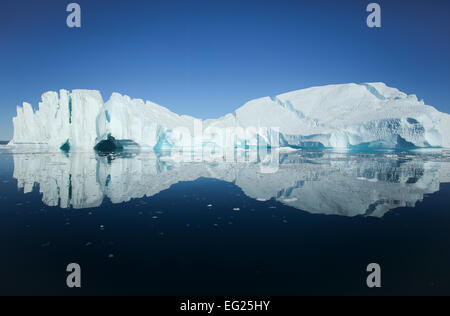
367,116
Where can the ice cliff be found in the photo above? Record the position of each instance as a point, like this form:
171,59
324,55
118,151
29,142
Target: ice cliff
359,116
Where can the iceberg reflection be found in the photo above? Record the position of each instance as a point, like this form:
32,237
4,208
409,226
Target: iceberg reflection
323,182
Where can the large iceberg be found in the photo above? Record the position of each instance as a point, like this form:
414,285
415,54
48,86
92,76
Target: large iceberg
350,116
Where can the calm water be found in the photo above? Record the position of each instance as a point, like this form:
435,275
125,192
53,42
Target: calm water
144,223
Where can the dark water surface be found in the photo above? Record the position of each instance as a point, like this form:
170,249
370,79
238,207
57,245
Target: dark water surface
146,224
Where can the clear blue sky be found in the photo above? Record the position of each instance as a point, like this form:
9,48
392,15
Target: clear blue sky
207,58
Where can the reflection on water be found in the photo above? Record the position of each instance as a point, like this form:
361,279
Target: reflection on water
225,228
323,182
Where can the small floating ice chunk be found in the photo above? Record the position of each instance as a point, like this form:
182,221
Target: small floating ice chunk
236,209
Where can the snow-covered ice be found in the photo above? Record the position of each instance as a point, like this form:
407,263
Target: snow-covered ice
367,116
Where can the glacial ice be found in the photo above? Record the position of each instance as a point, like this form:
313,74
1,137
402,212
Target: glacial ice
349,116
64,119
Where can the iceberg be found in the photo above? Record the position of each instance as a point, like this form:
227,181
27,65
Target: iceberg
345,116
66,121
